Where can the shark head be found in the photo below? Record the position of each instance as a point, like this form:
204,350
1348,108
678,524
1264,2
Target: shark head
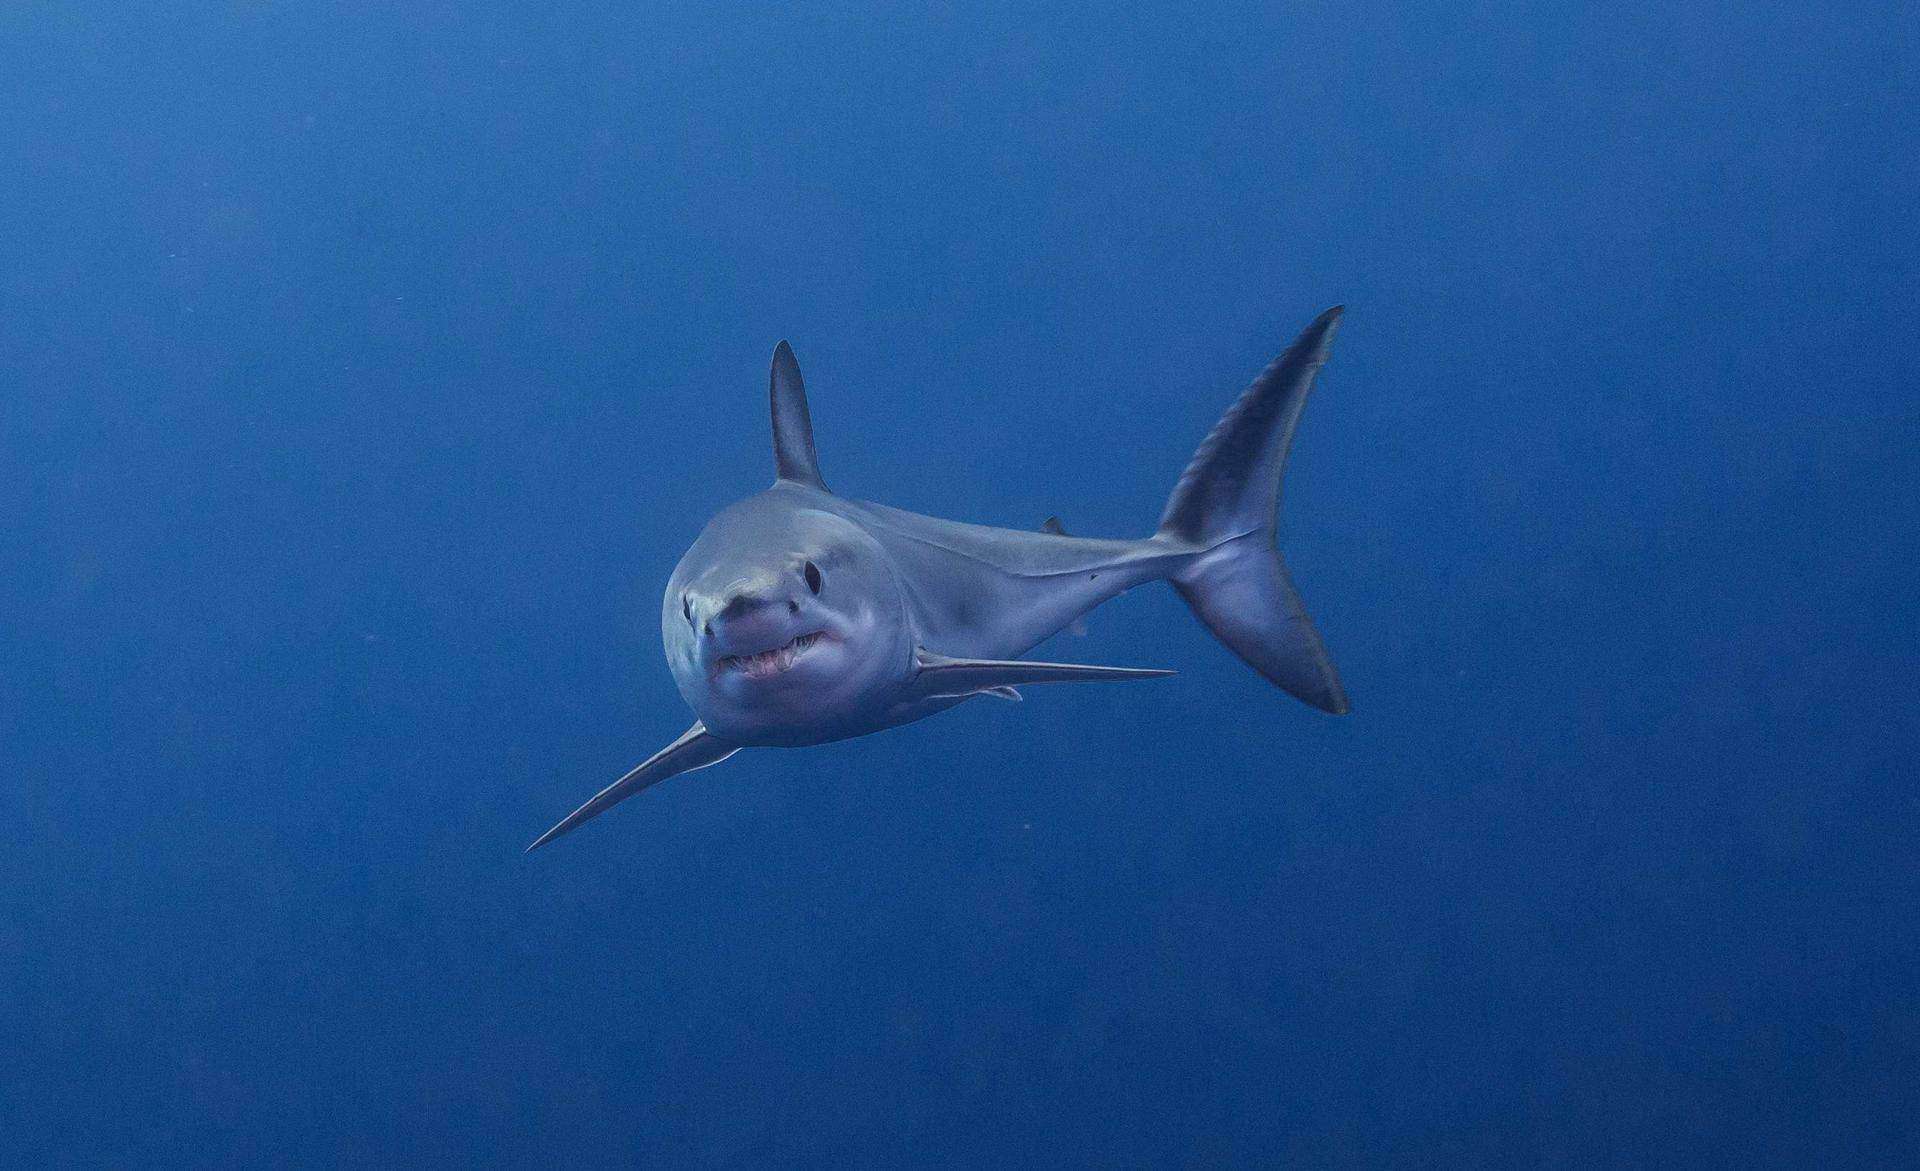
784,624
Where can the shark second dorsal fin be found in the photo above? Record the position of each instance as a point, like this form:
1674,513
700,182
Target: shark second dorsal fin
1052,526
793,457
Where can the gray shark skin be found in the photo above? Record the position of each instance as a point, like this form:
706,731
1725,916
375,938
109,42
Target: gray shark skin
800,617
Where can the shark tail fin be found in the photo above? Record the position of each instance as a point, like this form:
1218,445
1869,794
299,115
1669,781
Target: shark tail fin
1228,502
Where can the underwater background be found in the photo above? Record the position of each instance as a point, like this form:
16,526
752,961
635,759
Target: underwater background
364,370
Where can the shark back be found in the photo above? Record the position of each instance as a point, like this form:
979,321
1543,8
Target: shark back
975,590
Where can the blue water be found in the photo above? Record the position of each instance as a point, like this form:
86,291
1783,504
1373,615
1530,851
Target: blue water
363,374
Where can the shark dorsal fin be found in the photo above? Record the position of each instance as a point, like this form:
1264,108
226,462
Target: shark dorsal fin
793,458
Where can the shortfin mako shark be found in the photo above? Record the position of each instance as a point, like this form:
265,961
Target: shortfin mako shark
800,617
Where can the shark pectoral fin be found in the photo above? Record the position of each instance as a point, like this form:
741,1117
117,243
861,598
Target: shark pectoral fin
940,675
694,750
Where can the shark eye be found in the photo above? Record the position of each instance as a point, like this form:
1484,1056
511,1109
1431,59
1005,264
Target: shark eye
813,577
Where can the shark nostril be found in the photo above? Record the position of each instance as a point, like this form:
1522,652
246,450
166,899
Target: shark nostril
793,607
709,629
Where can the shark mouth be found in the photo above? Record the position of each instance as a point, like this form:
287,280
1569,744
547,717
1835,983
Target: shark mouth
767,664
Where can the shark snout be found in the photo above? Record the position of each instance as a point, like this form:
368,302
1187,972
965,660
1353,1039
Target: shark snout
749,619
742,604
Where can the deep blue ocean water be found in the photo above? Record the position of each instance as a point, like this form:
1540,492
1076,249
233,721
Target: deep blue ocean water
365,369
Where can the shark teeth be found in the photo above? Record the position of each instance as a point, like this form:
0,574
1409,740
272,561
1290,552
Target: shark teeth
767,664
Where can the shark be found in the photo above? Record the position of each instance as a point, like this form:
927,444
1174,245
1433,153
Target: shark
801,617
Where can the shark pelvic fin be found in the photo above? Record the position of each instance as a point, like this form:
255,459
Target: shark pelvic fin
793,456
694,749
939,675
